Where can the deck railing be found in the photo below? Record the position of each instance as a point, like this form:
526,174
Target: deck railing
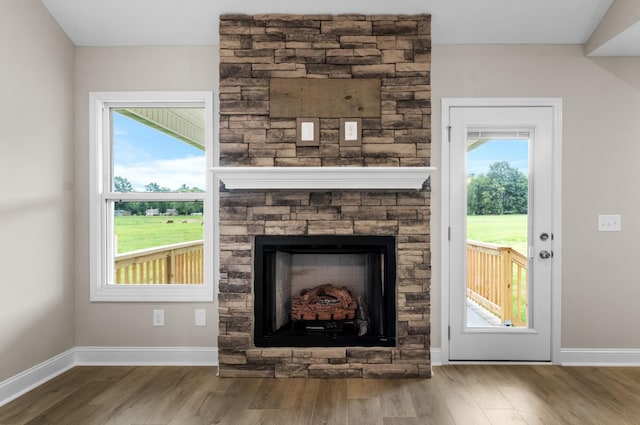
181,263
497,280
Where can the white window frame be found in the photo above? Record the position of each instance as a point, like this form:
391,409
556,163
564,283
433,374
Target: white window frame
99,185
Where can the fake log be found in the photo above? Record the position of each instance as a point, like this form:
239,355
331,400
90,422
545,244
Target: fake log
324,302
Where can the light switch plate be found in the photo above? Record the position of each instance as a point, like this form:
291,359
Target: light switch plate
609,223
308,132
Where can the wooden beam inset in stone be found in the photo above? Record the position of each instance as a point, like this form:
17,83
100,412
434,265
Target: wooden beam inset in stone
324,98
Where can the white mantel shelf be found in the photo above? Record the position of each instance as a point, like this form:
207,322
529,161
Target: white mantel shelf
282,178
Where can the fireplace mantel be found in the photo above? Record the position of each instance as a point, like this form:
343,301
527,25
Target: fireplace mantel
318,178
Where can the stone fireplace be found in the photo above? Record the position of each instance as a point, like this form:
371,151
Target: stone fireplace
254,50
298,282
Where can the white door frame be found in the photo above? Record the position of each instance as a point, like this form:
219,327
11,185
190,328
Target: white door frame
556,104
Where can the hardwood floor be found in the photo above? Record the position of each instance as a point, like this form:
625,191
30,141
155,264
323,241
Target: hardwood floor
474,395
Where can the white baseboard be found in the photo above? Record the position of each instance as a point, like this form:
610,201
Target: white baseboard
146,356
436,357
24,382
572,357
599,357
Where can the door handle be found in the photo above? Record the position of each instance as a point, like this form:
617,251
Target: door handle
544,254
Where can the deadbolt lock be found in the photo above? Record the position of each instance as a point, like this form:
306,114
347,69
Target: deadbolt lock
544,236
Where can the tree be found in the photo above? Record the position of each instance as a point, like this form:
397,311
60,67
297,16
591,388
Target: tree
121,184
503,190
155,187
515,184
185,188
484,197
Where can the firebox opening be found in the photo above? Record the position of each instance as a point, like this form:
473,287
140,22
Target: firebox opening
319,291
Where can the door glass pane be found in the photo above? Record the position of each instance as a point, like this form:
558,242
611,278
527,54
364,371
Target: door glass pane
497,228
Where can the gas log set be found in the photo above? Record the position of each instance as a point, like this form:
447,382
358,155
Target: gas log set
328,308
324,302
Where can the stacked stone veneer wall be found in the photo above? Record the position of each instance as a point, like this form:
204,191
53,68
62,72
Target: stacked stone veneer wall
395,49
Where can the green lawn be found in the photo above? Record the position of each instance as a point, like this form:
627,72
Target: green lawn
508,230
141,232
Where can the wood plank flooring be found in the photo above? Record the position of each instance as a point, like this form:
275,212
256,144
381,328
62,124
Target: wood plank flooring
456,395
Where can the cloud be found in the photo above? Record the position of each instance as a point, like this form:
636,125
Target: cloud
171,173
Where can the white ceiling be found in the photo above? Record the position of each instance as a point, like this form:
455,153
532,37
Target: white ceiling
195,22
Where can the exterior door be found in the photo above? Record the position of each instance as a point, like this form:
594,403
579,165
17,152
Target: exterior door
501,233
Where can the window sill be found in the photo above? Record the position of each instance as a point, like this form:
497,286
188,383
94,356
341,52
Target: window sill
156,293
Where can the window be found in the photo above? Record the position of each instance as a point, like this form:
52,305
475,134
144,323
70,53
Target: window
150,212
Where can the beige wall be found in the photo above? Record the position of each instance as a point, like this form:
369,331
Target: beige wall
136,69
38,318
601,152
37,186
601,99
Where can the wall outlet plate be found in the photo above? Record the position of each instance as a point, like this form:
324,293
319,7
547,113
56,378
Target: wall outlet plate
158,317
350,132
609,223
200,317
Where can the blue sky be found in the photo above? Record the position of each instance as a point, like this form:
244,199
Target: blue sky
513,151
144,155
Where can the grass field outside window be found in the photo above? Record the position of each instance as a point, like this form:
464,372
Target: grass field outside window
141,232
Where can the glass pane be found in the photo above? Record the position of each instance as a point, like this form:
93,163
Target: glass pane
497,230
158,150
158,243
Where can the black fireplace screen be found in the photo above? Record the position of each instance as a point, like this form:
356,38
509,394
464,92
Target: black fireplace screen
325,291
